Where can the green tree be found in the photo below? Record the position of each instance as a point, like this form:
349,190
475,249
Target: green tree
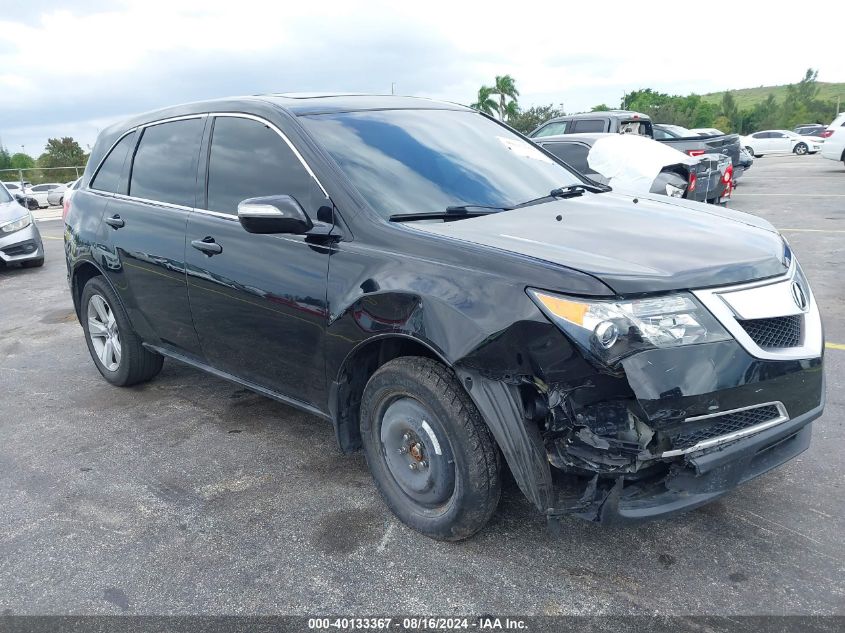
5,158
485,103
63,152
528,120
505,87
22,161
600,108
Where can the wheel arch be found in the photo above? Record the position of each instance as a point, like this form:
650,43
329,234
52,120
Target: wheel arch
347,387
83,272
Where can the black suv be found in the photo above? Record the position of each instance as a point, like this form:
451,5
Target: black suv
453,299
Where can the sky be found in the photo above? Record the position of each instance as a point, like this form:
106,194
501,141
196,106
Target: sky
72,67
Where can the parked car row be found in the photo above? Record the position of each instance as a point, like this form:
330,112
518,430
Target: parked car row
719,159
42,195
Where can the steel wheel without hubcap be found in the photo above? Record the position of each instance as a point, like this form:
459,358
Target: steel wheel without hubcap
103,332
420,462
800,149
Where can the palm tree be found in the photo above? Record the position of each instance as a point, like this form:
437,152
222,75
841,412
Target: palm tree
485,103
505,87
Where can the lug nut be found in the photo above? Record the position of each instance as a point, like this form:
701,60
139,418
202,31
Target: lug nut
412,466
407,436
402,450
423,464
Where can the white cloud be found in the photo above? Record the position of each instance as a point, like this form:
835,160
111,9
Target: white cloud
96,61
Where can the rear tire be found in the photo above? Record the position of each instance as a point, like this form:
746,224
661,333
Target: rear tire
432,457
114,346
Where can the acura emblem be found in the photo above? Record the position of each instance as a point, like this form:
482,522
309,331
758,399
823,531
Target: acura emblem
798,296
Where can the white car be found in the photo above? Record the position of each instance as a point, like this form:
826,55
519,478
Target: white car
780,142
39,192
56,197
834,145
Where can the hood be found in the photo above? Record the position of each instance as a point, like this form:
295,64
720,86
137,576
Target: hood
11,211
651,245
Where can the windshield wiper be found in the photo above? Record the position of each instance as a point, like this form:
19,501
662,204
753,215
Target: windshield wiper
451,213
570,191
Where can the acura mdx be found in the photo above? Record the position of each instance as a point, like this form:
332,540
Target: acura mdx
453,298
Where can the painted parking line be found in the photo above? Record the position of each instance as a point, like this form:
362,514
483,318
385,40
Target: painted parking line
50,237
835,346
793,195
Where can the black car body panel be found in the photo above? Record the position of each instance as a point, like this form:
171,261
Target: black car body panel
633,247
308,318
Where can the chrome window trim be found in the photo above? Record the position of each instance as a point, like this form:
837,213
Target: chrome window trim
239,115
729,437
155,203
812,337
253,117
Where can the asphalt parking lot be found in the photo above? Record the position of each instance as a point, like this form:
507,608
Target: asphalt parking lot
190,495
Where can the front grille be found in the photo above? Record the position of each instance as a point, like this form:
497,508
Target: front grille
776,332
719,425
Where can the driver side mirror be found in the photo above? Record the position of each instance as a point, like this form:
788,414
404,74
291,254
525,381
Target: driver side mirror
273,214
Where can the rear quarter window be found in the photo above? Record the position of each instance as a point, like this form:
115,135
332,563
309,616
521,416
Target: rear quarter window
588,125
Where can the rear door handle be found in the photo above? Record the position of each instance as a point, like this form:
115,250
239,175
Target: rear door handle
207,245
115,221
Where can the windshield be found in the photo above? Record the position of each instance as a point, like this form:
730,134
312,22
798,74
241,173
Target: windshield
423,161
5,196
677,129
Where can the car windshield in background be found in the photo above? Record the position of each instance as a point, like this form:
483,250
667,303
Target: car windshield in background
423,161
5,196
680,131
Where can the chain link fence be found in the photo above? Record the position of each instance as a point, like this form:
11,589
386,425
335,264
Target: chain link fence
41,175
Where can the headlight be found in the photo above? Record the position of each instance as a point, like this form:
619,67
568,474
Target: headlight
611,330
674,192
16,225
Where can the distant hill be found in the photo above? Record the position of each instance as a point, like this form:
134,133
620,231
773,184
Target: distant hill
747,98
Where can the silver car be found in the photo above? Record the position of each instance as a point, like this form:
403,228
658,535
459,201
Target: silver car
20,240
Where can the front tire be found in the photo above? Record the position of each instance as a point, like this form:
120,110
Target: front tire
114,346
432,457
800,149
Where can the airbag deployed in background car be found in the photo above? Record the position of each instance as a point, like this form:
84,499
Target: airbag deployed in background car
632,162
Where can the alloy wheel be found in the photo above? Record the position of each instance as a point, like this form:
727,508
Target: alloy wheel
103,332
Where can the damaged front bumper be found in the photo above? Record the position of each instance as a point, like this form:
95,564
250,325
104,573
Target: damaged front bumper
670,430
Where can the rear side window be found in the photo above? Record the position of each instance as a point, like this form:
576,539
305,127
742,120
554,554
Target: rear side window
574,154
587,125
108,177
249,159
165,166
552,129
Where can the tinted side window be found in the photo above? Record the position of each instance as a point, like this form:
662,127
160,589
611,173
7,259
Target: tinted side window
574,154
165,166
248,159
108,178
588,125
558,127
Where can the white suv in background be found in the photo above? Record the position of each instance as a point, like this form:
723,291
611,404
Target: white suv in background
834,145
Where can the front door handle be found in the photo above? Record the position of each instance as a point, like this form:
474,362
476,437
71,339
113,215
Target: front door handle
207,245
115,221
